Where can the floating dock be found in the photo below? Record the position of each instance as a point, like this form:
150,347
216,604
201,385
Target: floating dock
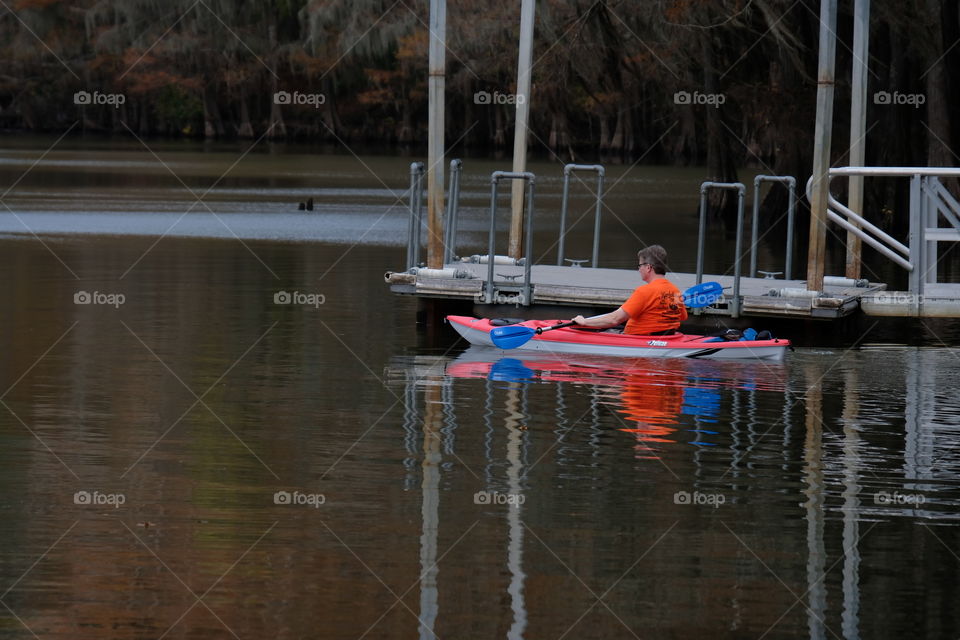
513,281
592,288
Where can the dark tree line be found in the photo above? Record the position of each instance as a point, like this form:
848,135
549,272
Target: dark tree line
725,83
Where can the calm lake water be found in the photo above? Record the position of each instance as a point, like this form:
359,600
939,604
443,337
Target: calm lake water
186,458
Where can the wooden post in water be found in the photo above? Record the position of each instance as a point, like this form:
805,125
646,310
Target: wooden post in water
435,138
858,129
520,135
850,617
814,506
515,458
430,511
821,145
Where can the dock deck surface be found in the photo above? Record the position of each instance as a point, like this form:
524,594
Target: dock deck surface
588,287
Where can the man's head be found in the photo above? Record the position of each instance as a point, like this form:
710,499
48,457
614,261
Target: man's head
654,258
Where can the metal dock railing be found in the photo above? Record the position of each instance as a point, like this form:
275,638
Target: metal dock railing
492,279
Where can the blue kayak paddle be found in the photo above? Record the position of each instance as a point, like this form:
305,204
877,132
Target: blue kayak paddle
513,336
702,295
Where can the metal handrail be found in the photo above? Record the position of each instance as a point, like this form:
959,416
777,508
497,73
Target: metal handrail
884,249
922,196
877,231
896,172
701,240
939,193
495,178
791,183
416,203
453,211
567,170
937,201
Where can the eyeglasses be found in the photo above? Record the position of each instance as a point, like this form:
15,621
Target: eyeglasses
644,264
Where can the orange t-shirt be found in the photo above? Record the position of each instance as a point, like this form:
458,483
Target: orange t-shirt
653,307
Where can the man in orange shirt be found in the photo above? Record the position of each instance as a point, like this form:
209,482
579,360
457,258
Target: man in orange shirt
654,309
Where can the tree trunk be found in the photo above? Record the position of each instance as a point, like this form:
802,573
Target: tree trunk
616,142
685,149
212,122
277,128
499,134
720,165
938,116
245,130
144,113
604,133
628,141
405,134
331,120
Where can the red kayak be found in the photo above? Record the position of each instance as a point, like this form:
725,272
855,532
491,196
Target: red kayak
585,341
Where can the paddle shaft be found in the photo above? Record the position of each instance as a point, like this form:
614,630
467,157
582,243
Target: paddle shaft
540,330
511,337
571,323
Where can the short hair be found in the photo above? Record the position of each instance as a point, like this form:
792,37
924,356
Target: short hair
655,256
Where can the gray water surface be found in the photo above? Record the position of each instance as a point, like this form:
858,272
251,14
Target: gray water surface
199,460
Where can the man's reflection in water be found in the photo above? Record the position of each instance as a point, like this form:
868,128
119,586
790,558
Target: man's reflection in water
653,402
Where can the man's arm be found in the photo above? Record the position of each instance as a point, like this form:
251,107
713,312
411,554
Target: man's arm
611,319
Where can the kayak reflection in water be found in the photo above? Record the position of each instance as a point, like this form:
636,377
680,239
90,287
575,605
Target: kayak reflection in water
654,309
661,403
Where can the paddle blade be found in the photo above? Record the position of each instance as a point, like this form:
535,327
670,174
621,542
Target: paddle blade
510,370
702,295
512,336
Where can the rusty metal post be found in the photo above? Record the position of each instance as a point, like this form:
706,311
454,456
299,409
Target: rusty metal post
522,99
435,141
821,145
858,129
